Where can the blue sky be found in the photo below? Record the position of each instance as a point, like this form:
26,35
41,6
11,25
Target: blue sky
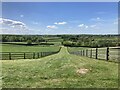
59,18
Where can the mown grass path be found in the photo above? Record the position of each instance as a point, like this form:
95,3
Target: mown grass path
59,70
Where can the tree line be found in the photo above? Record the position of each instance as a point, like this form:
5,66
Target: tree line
91,40
67,40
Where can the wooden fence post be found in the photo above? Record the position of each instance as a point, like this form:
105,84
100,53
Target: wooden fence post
41,54
86,52
91,54
107,54
10,56
24,55
38,54
33,55
96,53
83,52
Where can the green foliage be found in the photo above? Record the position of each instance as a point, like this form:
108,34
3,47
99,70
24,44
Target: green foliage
67,40
29,42
94,41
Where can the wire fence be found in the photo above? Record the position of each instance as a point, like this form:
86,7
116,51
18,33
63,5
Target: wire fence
25,55
108,54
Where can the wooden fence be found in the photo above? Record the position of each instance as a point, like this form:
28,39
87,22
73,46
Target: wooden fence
108,54
25,55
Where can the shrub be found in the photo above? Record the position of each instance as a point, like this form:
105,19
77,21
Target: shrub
29,42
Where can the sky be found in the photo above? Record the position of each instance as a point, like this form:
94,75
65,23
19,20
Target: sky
59,18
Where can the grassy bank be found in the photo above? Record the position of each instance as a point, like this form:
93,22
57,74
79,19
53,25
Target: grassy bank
60,70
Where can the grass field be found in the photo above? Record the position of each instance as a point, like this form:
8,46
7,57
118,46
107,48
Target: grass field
61,70
22,48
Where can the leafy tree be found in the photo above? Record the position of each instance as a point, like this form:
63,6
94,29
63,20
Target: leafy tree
29,42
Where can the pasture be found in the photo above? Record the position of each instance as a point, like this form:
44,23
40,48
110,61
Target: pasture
58,70
23,48
61,70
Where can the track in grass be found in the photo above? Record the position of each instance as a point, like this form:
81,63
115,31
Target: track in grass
60,70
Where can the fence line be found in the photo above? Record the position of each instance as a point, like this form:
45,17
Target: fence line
107,54
25,55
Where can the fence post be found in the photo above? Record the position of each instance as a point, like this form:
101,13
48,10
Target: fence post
107,54
83,52
91,54
33,55
41,54
10,56
24,55
96,53
38,54
86,52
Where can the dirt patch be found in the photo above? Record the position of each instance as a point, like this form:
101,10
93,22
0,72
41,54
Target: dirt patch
82,71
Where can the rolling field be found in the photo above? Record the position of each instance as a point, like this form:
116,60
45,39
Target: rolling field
62,70
22,48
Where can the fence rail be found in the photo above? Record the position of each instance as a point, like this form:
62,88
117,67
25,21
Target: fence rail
108,54
25,55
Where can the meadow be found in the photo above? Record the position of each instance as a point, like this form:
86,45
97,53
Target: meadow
61,70
23,48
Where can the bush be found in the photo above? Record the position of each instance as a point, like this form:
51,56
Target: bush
29,42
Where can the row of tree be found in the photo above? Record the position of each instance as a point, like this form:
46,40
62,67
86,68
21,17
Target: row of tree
99,43
67,40
22,38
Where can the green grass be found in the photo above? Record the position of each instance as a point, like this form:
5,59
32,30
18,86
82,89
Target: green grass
73,49
22,48
59,71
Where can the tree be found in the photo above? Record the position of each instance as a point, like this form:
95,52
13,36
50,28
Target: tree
29,42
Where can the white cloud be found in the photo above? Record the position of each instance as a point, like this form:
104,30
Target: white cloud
13,23
97,19
92,26
51,27
60,23
21,15
116,21
83,26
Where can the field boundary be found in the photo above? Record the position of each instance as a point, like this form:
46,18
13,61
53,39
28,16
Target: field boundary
25,55
108,54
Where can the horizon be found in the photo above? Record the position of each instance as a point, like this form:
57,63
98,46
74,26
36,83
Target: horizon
59,34
57,18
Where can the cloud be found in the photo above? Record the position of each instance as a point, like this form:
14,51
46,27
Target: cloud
51,27
98,19
21,15
83,26
60,23
13,23
92,26
116,21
